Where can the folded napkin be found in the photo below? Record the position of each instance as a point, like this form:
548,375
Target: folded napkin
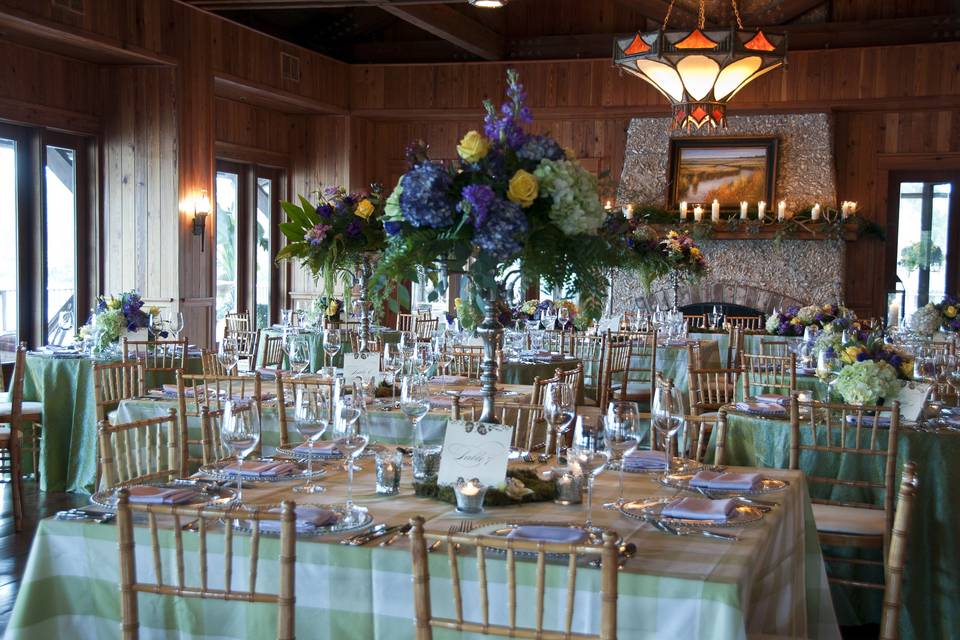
307,518
726,480
267,374
698,509
762,408
806,371
548,533
953,421
449,379
771,398
869,420
146,494
261,468
645,460
171,390
320,449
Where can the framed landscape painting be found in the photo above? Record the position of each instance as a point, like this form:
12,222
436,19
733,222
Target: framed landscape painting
729,170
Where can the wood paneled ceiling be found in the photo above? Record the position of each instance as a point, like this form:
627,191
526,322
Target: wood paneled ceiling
423,31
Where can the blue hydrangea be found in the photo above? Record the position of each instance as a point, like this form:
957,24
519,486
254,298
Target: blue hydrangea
536,148
476,202
425,200
498,236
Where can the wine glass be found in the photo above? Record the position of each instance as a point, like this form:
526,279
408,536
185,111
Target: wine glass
393,362
668,422
312,410
350,440
621,429
286,316
589,454
414,403
174,322
331,346
408,344
229,354
443,354
558,409
298,354
65,322
240,432
563,315
549,318
423,358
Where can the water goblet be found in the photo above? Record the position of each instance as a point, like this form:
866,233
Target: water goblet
240,432
393,362
174,321
669,421
563,316
621,428
298,354
65,322
228,354
549,318
332,343
589,454
350,440
312,411
558,409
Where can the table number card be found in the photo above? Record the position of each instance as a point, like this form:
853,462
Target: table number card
364,364
912,398
608,324
475,450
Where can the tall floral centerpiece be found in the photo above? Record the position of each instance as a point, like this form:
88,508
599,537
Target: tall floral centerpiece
685,260
926,320
342,233
949,310
513,202
115,316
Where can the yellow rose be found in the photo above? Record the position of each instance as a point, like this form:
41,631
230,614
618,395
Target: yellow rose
950,312
570,153
850,354
113,304
153,311
906,369
694,251
457,302
474,147
364,209
524,188
332,308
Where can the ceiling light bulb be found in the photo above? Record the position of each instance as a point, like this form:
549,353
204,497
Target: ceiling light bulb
488,4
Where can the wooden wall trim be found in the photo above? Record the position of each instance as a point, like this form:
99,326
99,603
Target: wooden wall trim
242,89
250,155
19,112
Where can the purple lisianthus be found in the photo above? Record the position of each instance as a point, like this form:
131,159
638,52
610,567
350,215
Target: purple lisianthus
354,229
325,211
425,200
316,235
477,200
498,236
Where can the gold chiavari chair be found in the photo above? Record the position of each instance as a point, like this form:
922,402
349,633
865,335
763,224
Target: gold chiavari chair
405,321
287,388
710,389
699,430
237,321
896,558
426,621
272,352
141,451
642,369
589,351
539,384
530,429
114,382
573,377
17,414
467,361
616,368
210,554
694,357
211,426
734,347
555,341
425,327
754,323
248,345
696,321
210,364
779,348
157,355
848,438
771,374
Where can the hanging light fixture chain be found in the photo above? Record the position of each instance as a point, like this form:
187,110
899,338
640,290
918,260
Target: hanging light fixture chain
736,12
701,19
666,18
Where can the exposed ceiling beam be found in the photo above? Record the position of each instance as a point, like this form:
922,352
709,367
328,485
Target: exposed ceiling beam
452,26
793,9
656,10
261,5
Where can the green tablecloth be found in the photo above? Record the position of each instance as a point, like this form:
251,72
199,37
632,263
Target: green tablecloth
315,340
68,447
515,372
770,582
932,585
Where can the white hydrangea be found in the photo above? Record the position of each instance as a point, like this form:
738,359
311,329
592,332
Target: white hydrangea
773,322
926,320
807,314
576,207
866,382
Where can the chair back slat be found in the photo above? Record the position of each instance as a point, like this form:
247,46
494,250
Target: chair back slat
467,361
113,382
236,321
710,389
779,348
616,367
897,555
140,451
746,322
272,352
156,355
772,374
425,327
590,350
287,388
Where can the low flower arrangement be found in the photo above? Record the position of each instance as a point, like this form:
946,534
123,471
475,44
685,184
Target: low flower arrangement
332,235
927,320
867,382
794,320
114,317
949,309
521,486
325,307
831,338
530,309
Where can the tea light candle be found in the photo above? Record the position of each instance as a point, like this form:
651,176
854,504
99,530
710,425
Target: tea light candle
628,211
743,210
683,211
815,212
608,206
698,213
715,211
761,209
781,211
568,486
470,495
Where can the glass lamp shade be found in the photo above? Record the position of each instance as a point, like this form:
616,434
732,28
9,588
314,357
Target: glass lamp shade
698,71
488,4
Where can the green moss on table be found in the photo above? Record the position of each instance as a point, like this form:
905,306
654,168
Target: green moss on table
543,490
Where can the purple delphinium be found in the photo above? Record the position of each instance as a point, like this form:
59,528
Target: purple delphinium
425,200
325,211
392,227
476,202
498,236
506,126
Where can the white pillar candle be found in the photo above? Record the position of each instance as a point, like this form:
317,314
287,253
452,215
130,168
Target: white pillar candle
698,213
761,208
743,210
683,211
628,211
608,206
781,211
815,212
893,314
715,211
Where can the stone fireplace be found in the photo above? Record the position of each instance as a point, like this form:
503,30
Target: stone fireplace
757,273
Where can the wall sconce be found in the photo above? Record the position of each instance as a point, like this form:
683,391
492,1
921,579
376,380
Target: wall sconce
201,208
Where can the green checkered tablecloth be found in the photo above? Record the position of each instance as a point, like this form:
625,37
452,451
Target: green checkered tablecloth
65,388
770,582
931,594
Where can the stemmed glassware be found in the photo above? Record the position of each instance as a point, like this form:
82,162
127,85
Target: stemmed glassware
65,322
563,316
408,346
331,347
621,430
350,440
229,354
286,317
589,454
240,432
558,409
549,318
174,321
415,404
669,422
298,354
393,362
156,325
715,318
312,410
443,354
423,358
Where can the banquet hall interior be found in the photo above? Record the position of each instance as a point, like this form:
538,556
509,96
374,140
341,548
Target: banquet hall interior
480,318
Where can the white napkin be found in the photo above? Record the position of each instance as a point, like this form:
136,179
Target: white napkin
548,533
698,509
726,480
644,459
261,468
320,449
147,494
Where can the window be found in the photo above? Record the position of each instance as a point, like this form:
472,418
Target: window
247,198
46,278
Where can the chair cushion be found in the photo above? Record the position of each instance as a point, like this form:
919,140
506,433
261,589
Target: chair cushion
29,410
831,518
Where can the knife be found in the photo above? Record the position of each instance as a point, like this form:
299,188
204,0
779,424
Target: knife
373,535
374,530
401,532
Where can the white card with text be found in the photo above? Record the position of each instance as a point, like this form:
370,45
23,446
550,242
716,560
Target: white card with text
475,450
608,324
912,398
368,364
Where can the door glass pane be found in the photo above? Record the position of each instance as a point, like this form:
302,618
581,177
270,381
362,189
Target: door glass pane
922,248
226,195
60,196
8,248
264,202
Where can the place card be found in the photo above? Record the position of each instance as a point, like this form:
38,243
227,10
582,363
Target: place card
912,397
363,364
475,450
608,324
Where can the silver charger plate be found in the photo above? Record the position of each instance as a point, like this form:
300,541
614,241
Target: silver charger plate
688,466
503,529
217,472
369,451
238,523
210,496
682,481
651,508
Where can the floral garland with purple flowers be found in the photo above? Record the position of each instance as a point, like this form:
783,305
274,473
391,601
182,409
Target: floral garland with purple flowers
794,320
331,236
511,198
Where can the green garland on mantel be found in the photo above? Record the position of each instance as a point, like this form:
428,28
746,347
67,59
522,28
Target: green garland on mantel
831,223
543,490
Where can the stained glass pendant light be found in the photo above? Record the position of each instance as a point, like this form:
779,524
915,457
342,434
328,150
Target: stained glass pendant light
699,70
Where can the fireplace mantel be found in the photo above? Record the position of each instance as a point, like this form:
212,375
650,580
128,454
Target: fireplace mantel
752,230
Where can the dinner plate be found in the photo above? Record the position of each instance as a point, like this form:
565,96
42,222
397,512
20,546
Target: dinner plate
651,508
369,451
688,466
217,472
206,496
306,529
682,481
503,529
